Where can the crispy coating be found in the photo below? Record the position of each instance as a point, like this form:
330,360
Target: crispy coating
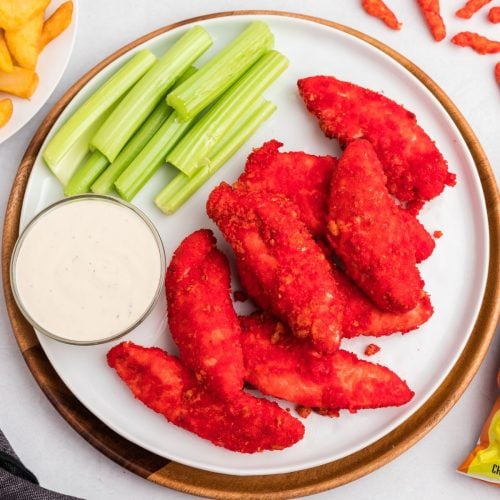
246,424
432,14
494,15
281,266
497,72
283,366
378,9
367,234
470,8
305,179
201,316
414,167
363,317
302,177
476,42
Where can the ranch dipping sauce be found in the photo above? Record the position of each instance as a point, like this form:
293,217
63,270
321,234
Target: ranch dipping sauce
87,269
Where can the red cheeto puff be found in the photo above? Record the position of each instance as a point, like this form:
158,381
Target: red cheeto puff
470,8
476,42
201,316
367,234
280,265
494,15
245,424
378,9
497,72
431,12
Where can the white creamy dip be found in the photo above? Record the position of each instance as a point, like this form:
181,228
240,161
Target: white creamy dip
87,269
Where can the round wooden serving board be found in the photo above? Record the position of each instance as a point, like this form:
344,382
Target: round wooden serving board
199,482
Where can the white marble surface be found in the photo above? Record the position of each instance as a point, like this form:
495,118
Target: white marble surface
61,459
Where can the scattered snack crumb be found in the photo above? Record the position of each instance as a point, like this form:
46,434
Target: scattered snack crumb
494,15
378,9
470,8
303,411
430,10
437,234
329,412
480,44
240,296
371,349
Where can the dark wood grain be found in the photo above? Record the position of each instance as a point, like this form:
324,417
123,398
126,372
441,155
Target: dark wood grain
187,479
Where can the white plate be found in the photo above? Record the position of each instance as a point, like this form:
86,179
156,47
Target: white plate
455,274
50,68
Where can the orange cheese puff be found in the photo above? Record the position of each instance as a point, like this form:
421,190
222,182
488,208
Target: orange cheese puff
201,316
480,44
6,110
431,11
494,15
497,72
378,9
470,8
246,424
280,365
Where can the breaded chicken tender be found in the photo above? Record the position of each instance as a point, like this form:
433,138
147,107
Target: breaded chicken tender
302,177
283,366
367,233
362,317
282,268
246,424
305,179
416,171
201,316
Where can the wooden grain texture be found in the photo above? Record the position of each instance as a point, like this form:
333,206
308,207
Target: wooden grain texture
194,481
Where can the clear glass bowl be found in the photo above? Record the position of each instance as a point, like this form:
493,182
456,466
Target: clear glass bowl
74,199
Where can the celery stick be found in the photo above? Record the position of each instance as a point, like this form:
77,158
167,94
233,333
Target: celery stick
182,187
152,157
104,184
218,74
196,145
86,116
84,177
148,91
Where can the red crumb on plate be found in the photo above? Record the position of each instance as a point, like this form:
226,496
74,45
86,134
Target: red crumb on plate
430,10
303,411
371,349
329,412
437,234
479,43
378,9
470,8
240,296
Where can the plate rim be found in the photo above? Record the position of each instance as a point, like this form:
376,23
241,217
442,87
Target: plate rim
308,481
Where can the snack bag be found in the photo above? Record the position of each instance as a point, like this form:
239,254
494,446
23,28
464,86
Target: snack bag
484,460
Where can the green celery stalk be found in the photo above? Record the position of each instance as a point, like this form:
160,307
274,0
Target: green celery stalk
83,178
195,147
104,183
152,157
148,91
92,110
218,74
182,187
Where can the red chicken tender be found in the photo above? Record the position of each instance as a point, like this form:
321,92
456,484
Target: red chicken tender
305,179
280,265
246,424
378,9
362,317
415,169
302,177
367,233
201,316
283,366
